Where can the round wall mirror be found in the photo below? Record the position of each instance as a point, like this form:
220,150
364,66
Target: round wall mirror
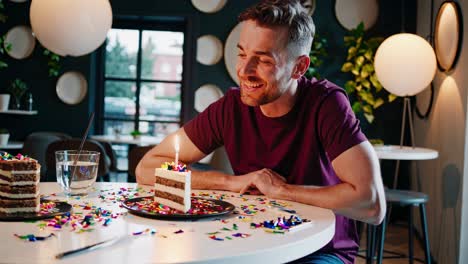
447,35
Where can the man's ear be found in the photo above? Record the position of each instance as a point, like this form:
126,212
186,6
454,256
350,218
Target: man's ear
302,64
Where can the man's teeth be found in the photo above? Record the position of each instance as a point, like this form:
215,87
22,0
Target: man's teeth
252,85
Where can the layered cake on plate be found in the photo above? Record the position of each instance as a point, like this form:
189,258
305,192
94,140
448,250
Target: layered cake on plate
19,184
172,186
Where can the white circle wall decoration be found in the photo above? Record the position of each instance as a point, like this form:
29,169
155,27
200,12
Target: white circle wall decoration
71,87
352,12
206,95
230,52
209,50
209,6
22,42
447,37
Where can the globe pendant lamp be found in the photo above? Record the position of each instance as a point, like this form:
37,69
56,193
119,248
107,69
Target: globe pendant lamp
405,64
71,27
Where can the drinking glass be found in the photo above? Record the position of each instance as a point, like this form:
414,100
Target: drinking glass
76,171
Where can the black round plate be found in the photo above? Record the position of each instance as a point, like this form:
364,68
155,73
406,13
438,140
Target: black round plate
226,209
61,209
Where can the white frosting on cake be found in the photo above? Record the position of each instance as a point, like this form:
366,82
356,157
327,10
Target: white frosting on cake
20,210
168,189
184,177
172,175
20,183
19,195
9,173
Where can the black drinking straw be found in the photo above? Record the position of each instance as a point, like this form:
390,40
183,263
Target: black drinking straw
83,139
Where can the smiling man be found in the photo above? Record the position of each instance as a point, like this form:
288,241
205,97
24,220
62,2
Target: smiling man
286,137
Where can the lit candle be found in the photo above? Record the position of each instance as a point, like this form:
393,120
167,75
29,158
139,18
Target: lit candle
177,148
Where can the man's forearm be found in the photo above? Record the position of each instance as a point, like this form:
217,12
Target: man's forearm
342,198
210,180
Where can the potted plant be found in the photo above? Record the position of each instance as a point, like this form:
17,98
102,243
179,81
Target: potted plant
136,134
4,135
364,88
4,47
4,102
17,89
317,52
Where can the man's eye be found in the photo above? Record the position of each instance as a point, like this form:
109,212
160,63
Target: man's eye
241,55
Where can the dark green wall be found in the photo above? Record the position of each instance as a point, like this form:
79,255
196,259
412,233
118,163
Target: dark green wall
57,116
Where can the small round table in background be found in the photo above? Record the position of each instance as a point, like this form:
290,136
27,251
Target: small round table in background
395,152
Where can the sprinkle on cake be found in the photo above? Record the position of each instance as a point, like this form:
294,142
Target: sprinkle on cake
19,189
172,186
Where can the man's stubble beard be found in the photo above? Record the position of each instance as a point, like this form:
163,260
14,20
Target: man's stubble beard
262,99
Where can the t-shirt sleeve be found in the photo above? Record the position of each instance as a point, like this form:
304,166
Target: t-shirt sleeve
338,127
206,129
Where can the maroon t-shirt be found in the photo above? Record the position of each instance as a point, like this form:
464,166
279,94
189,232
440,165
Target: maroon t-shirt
299,145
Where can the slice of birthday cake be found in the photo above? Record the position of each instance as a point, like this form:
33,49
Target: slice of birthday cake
172,186
19,184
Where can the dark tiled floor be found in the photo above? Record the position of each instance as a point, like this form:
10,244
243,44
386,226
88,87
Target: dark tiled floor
396,240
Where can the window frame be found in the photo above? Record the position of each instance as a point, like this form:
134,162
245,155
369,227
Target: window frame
141,23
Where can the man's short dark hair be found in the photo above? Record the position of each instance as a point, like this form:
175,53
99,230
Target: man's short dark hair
288,13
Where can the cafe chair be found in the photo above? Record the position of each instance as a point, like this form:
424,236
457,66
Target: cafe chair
111,154
134,156
74,144
35,146
406,199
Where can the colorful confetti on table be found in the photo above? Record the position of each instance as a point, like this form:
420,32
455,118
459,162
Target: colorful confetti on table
33,238
280,225
199,207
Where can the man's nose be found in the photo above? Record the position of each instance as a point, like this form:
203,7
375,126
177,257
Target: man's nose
247,67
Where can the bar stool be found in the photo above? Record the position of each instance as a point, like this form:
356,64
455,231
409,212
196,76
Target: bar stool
401,198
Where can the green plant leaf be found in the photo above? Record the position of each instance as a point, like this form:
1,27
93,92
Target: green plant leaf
351,53
356,71
375,82
364,72
3,64
378,103
367,109
369,118
347,67
350,86
392,97
357,107
349,40
366,84
369,54
359,60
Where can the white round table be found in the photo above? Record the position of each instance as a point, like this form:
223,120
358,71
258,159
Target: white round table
395,152
126,139
193,245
